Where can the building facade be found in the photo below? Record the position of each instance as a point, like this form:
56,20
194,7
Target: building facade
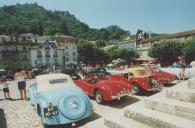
15,48
145,44
40,51
127,44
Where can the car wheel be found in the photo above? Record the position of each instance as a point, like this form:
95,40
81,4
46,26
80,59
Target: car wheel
137,88
38,110
98,97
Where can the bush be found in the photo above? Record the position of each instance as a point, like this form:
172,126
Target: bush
189,50
167,51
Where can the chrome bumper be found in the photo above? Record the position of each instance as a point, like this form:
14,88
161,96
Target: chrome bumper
118,96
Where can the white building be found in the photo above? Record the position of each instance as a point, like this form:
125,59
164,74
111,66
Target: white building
46,54
58,51
127,44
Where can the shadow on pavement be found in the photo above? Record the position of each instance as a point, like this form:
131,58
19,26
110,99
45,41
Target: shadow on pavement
170,84
123,102
148,93
93,117
3,123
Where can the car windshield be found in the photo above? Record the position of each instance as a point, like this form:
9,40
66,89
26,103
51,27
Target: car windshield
141,73
58,81
158,70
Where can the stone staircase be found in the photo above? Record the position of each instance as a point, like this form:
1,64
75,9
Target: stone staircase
174,107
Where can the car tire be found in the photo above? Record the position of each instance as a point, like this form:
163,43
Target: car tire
98,97
137,88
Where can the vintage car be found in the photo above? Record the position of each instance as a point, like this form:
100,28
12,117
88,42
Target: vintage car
58,100
161,76
141,79
105,88
189,72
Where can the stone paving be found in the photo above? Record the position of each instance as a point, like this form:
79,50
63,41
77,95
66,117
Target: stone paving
21,114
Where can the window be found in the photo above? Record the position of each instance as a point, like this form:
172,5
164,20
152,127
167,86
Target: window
47,61
67,54
38,52
67,59
74,59
66,47
73,53
36,62
24,48
47,55
55,61
58,81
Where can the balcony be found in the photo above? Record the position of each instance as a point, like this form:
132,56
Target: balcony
55,55
47,56
39,56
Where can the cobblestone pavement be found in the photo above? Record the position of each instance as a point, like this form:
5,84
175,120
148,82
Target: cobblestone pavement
21,114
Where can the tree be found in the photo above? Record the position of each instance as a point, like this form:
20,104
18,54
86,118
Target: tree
167,51
13,63
128,54
100,43
86,52
64,28
189,50
89,53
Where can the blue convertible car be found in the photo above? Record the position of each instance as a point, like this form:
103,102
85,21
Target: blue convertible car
57,100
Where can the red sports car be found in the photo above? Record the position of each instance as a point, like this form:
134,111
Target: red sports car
141,79
162,77
106,88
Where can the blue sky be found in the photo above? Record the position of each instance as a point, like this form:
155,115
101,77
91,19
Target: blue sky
160,16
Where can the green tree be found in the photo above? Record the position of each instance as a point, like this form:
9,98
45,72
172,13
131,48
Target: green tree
128,54
100,43
167,51
13,63
25,18
189,50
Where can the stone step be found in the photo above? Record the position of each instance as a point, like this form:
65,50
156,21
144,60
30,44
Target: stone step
155,118
120,121
181,92
191,83
99,123
171,106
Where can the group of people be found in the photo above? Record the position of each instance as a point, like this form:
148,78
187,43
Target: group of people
20,76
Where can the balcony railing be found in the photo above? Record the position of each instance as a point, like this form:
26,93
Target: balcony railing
39,56
55,55
47,56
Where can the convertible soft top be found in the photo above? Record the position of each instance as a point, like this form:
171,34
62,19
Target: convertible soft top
52,81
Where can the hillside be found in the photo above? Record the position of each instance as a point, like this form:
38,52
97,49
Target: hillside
32,18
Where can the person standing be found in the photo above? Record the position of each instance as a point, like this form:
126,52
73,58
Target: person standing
182,64
20,76
3,82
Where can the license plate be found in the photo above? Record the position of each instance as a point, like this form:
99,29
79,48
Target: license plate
51,111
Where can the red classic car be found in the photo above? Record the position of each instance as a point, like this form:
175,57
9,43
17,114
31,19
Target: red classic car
105,88
141,79
161,76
